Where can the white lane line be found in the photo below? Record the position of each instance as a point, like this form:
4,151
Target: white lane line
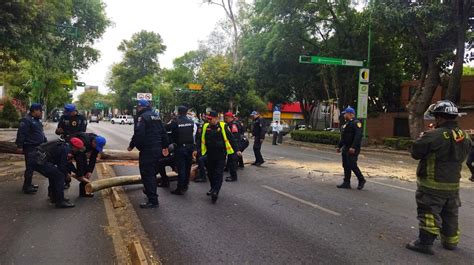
301,200
392,186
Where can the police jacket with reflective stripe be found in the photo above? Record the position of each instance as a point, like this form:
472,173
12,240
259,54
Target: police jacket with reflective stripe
441,153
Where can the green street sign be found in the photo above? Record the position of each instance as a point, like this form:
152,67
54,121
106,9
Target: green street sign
99,105
331,61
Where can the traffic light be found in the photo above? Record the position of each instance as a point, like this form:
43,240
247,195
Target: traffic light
80,84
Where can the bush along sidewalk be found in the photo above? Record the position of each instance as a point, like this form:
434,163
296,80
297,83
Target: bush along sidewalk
398,143
321,137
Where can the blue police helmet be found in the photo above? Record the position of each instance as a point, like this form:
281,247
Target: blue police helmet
143,103
36,106
254,113
68,108
100,143
349,110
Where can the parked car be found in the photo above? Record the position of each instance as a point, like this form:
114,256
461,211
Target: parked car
56,115
94,118
122,119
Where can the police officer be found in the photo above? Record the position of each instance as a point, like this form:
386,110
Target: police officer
441,152
30,135
233,159
149,138
350,143
200,159
216,142
50,160
182,131
258,132
166,161
86,158
71,122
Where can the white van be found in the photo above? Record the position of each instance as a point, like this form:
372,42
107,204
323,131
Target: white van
122,119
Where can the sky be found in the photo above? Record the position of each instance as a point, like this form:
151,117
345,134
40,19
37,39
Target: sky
181,24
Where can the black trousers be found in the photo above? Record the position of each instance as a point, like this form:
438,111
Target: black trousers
167,161
275,138
257,148
184,160
201,160
29,166
438,215
469,161
215,171
349,163
54,175
232,163
147,161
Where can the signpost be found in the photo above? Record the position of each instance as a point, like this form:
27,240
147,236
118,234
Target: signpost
363,95
192,86
328,60
147,96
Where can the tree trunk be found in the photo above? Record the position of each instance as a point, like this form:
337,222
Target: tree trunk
423,96
454,88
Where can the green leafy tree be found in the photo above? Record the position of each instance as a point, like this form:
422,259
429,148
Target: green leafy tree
139,70
9,113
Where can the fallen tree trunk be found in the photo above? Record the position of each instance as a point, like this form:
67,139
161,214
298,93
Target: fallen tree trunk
8,147
101,184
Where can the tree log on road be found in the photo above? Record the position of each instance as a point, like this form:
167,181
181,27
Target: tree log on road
101,184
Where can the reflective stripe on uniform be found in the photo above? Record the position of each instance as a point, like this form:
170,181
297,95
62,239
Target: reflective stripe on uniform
429,224
452,240
228,146
430,182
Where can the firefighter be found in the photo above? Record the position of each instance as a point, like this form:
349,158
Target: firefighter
441,152
349,145
216,143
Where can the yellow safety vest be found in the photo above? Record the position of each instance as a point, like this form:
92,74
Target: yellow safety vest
228,146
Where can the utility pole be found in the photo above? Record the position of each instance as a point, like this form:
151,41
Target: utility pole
364,131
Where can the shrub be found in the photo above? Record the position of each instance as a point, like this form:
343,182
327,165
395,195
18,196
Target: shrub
322,137
399,143
4,124
9,112
14,124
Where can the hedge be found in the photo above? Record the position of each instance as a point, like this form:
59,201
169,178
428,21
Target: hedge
4,124
321,137
399,143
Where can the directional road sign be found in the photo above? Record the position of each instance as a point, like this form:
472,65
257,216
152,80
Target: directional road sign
328,60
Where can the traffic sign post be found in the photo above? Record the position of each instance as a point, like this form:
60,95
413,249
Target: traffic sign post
147,96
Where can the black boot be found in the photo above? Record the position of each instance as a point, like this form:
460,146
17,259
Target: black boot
417,246
29,190
344,185
178,191
214,196
231,179
64,204
361,184
163,184
209,192
149,205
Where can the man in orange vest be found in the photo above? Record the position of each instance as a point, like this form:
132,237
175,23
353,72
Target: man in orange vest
217,142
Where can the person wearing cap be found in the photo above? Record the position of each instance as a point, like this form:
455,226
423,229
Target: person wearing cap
88,146
233,160
183,131
258,132
276,129
151,139
71,122
350,145
30,134
51,159
441,152
216,142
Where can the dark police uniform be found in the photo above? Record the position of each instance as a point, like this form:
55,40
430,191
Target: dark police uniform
182,131
216,143
149,138
441,153
72,124
84,165
258,131
351,137
30,135
166,161
470,160
200,159
233,160
50,160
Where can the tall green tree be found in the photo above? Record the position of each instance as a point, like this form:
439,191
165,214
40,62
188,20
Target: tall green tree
139,70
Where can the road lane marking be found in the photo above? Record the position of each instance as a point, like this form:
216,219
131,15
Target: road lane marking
392,186
302,201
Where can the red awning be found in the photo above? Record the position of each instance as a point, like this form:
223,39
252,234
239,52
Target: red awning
293,107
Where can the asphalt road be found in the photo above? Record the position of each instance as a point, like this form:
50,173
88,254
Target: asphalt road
290,212
32,231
